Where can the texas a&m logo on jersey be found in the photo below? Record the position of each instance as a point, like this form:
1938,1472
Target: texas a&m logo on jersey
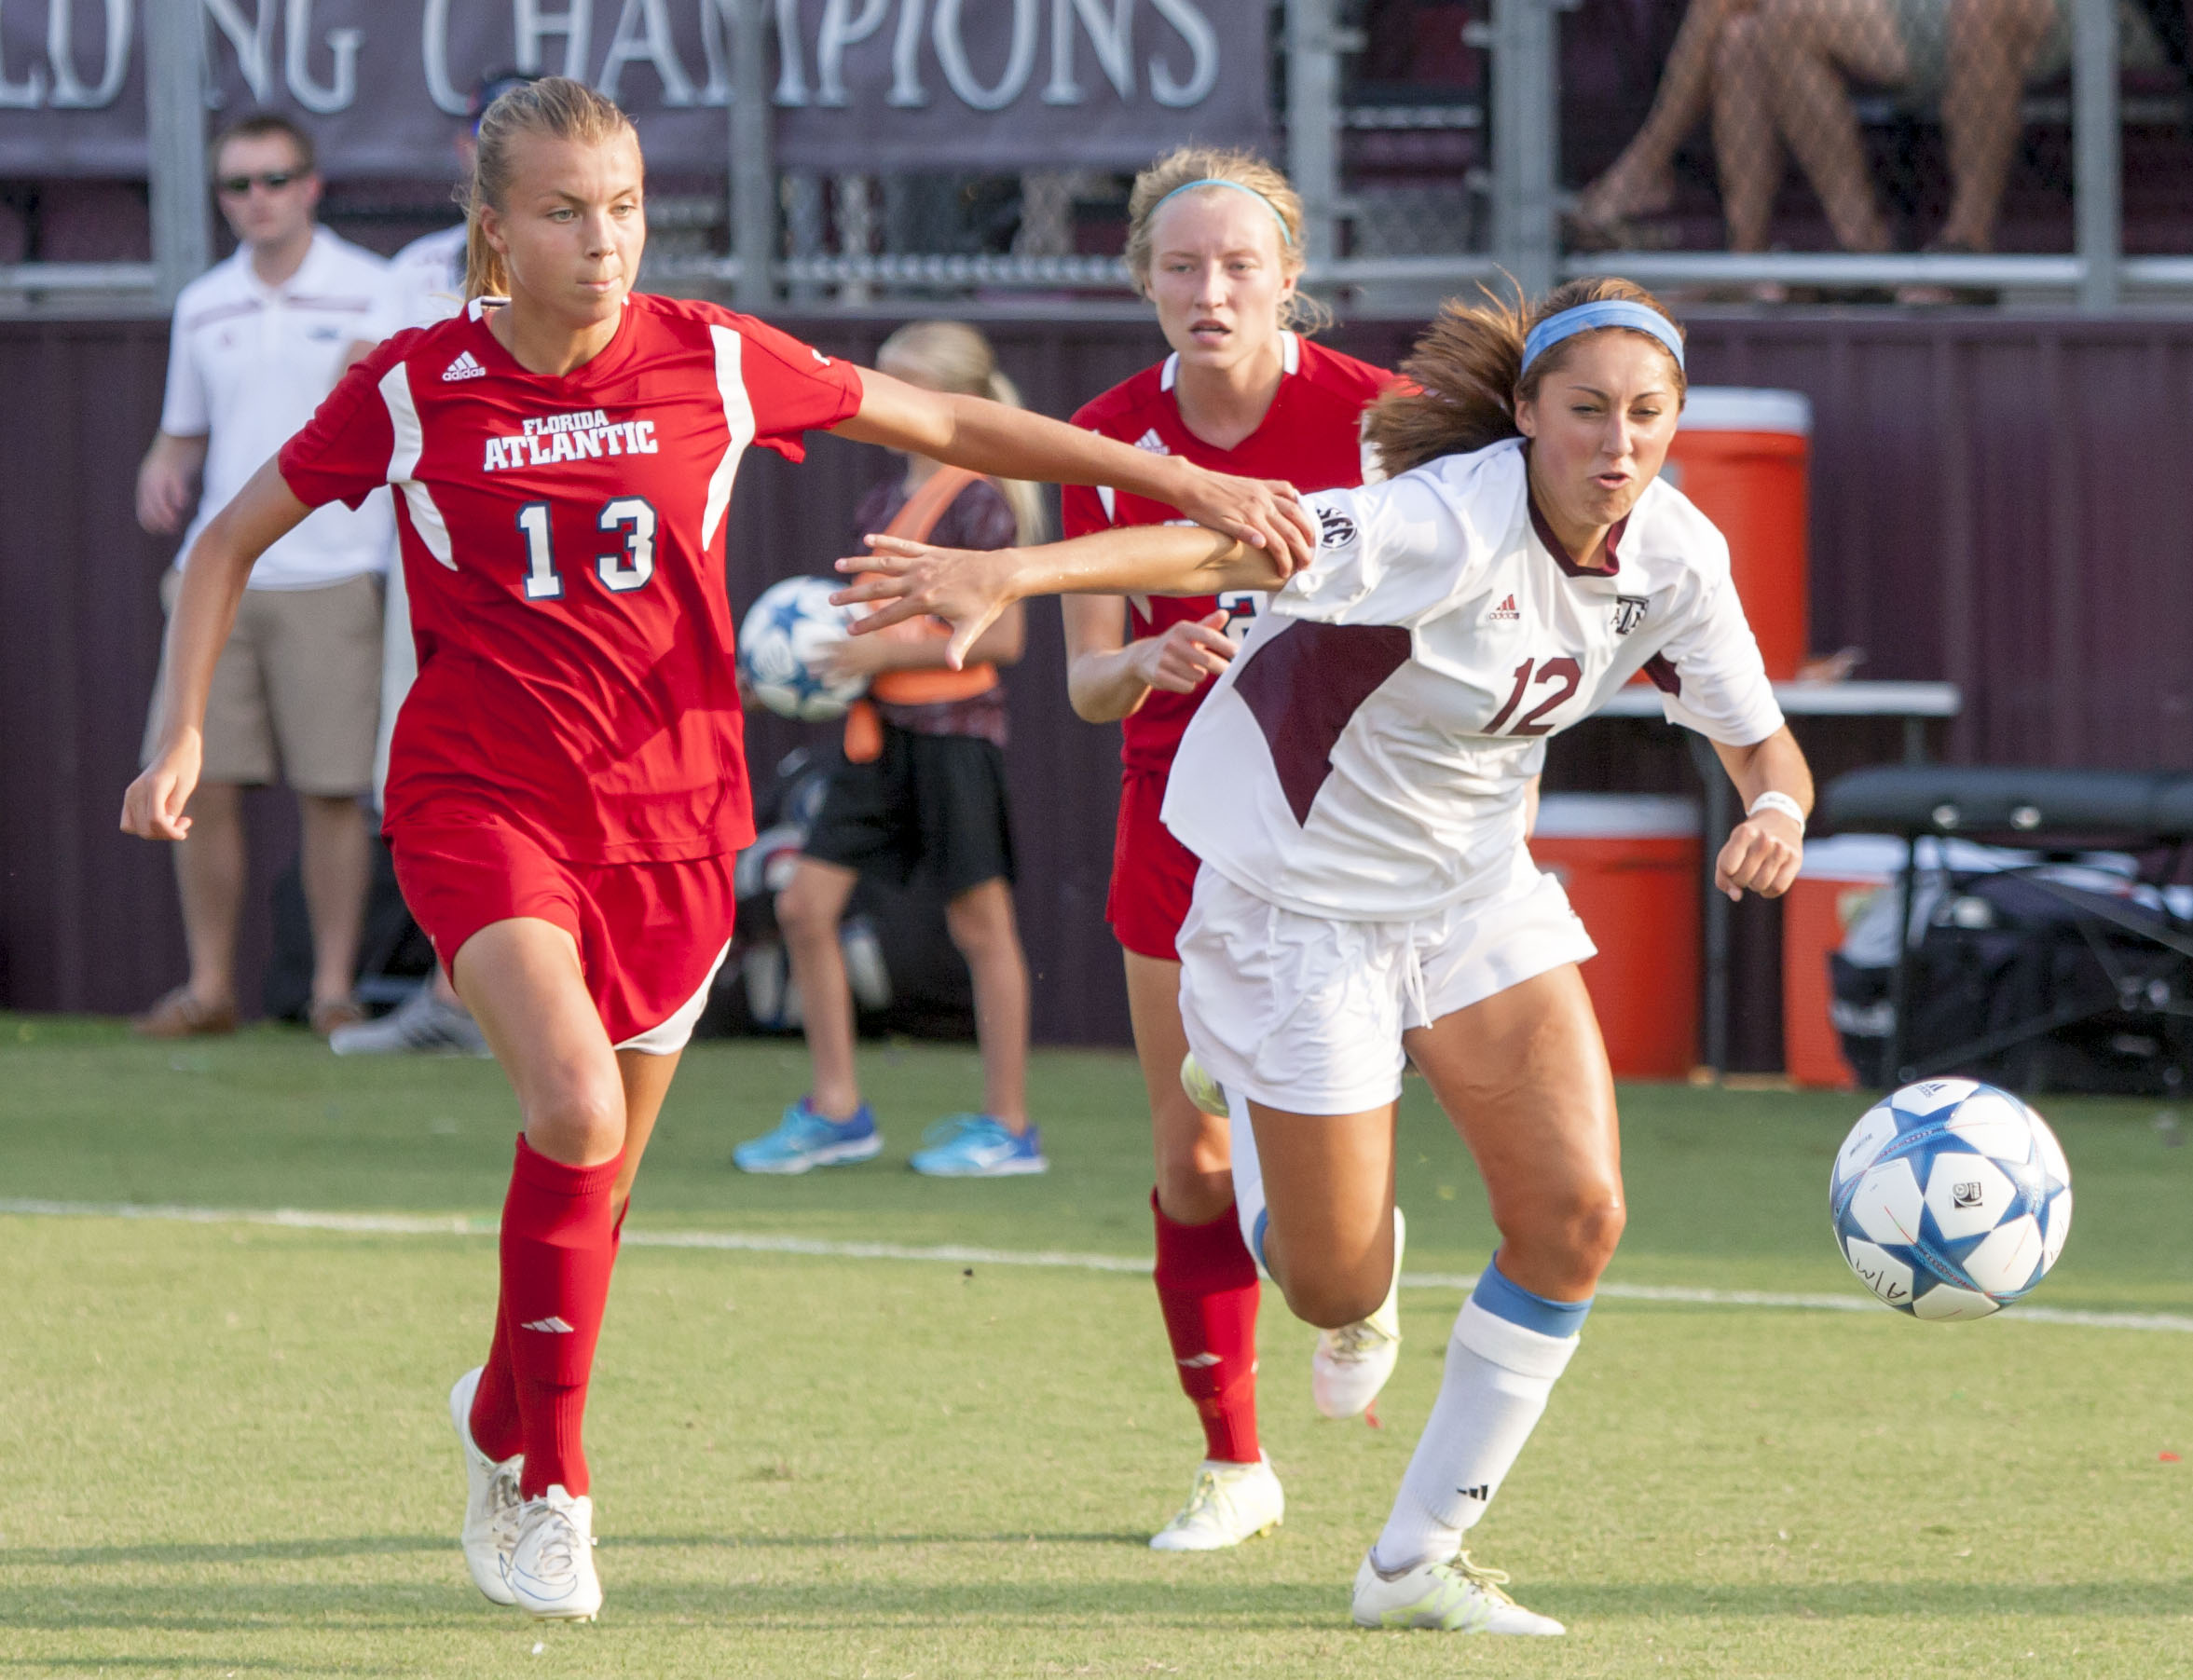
1629,612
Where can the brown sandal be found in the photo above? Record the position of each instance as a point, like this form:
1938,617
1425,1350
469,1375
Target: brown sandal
183,1014
330,1014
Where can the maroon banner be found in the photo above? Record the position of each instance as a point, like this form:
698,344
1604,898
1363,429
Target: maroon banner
881,86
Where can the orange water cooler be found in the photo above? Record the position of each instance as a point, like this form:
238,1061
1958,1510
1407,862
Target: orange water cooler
1630,863
1744,457
1839,877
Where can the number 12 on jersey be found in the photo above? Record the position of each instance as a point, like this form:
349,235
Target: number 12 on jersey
634,516
1564,671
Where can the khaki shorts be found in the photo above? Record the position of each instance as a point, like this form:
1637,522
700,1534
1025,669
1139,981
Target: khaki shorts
296,695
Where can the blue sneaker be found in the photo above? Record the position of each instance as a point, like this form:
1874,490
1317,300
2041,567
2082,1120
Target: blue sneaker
975,1146
804,1141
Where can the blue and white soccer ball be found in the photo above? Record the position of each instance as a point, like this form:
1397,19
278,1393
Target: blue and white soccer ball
789,626
1950,1199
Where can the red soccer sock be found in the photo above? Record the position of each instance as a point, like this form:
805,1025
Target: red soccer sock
558,1247
496,1429
1207,1288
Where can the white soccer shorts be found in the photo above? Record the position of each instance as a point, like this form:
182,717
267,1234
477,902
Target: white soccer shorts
1305,1014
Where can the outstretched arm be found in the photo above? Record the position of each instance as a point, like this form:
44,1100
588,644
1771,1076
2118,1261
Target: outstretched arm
1765,851
1010,442
967,587
221,562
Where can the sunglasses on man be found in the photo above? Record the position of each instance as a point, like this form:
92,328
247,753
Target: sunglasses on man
238,186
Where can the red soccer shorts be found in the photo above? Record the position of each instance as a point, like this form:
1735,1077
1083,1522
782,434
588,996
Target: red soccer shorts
1153,875
651,935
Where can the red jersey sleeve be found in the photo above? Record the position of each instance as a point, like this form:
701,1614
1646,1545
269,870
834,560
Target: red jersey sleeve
1082,510
794,388
342,451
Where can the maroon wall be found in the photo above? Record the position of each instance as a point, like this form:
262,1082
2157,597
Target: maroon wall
2007,503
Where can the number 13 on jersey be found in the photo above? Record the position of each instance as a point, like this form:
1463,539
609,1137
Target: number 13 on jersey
619,572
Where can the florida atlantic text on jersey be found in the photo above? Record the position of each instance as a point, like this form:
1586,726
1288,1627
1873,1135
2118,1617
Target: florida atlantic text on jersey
563,546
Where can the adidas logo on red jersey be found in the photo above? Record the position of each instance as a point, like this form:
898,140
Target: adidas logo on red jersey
1505,614
1151,442
464,367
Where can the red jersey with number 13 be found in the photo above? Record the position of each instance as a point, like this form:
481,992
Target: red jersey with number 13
1310,436
563,544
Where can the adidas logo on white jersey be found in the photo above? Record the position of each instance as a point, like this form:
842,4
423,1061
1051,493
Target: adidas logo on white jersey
465,367
1505,614
1151,442
555,1327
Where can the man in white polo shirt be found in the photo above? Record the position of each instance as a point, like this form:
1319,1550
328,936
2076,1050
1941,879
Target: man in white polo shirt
258,340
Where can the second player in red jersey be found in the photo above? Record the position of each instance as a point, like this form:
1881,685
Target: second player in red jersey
1310,436
1214,241
568,788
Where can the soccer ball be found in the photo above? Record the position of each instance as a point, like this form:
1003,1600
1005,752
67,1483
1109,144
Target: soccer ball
1950,1199
790,624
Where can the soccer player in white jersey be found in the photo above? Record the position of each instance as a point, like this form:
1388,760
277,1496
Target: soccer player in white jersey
1356,787
258,340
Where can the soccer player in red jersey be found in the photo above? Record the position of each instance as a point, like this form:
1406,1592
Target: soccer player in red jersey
567,794
1214,239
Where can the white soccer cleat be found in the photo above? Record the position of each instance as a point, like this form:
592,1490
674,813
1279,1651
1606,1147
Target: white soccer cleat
1455,1596
1202,1090
491,1500
552,1565
1229,1503
1351,1364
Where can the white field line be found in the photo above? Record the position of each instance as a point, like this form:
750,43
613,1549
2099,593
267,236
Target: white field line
406,1224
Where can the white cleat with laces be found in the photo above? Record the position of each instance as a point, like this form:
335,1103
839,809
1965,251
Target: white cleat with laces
552,1566
1229,1503
491,1500
1351,1364
1453,1596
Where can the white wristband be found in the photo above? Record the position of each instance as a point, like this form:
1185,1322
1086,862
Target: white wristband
1773,799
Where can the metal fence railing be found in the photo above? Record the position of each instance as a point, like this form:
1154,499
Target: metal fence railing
1415,182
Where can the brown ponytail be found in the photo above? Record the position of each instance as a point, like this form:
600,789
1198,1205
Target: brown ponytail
557,106
1467,372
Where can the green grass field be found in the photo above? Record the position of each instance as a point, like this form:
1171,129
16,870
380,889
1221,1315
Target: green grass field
227,1452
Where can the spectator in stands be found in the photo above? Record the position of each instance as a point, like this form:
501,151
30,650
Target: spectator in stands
258,340
1709,56
1974,56
1775,75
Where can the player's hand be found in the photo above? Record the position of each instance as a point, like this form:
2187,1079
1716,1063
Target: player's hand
153,807
1263,512
1763,856
966,588
1185,657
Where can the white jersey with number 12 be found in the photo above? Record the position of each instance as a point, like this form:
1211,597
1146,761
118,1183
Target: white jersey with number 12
1366,757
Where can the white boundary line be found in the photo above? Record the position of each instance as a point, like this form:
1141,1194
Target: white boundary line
405,1224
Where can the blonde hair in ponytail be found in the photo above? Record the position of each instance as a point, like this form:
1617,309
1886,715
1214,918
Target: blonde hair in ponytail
557,106
952,357
1466,372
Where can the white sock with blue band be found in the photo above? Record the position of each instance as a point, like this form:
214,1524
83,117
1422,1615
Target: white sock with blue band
1508,1348
1248,1178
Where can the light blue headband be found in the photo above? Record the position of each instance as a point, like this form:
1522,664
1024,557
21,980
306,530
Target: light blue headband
1285,238
1586,318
